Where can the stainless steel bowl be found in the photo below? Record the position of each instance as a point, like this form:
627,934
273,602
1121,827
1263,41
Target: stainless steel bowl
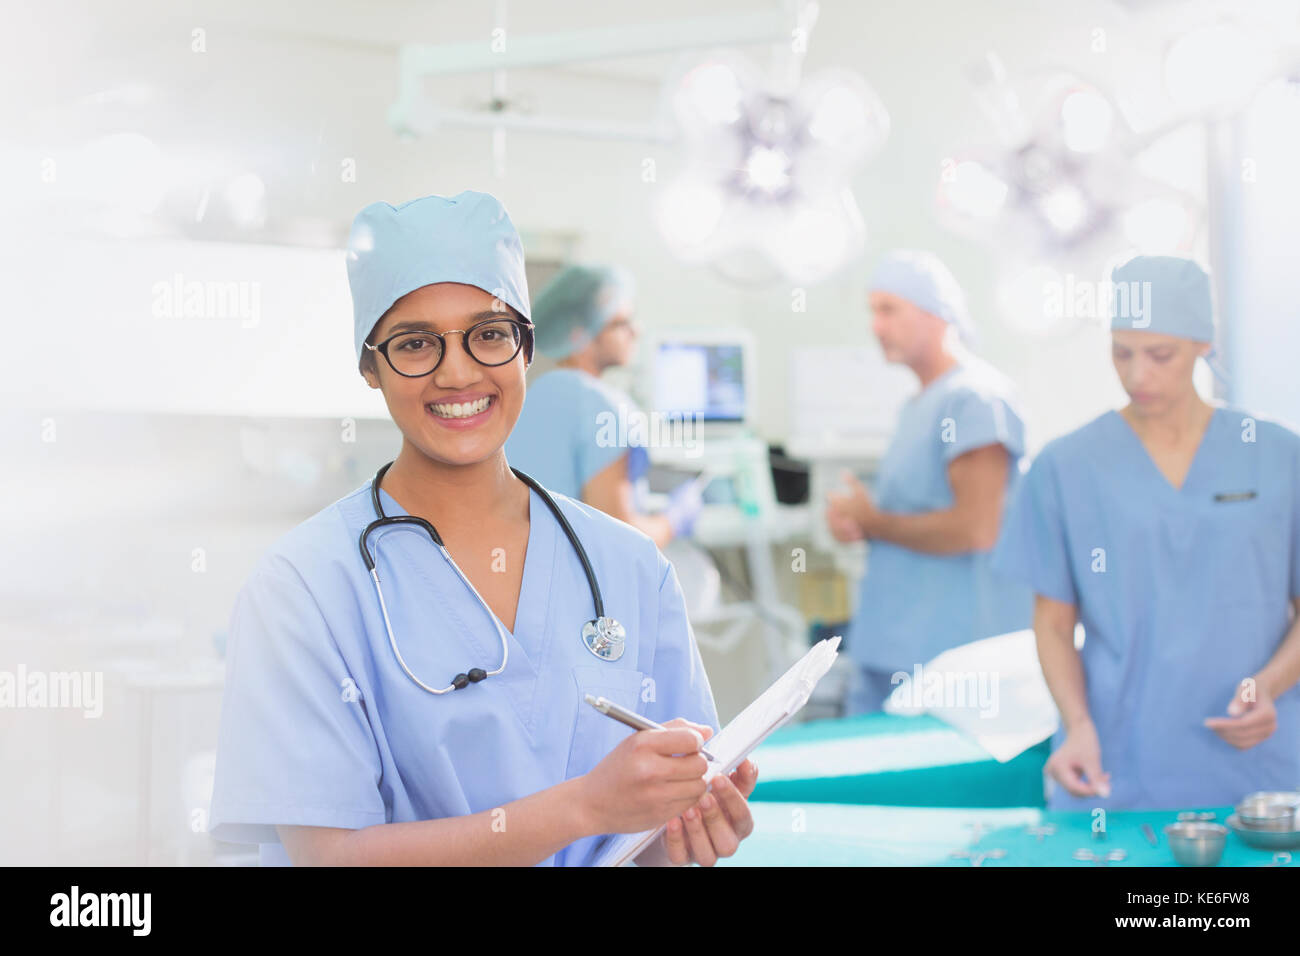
1265,839
1290,797
1282,797
1270,809
1197,843
1266,812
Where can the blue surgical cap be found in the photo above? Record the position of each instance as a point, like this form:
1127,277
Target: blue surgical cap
466,238
922,279
577,303
1164,294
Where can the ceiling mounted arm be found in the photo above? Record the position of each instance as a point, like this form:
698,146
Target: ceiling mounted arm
411,113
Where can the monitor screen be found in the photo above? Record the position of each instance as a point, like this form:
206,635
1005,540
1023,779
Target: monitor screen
700,378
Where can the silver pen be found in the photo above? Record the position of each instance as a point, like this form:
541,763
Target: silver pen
632,719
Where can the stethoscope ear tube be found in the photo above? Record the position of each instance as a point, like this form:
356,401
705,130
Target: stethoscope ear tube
392,520
578,549
382,520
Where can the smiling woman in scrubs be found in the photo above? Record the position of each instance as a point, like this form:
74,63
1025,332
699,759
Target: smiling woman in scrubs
585,321
939,492
329,752
1171,530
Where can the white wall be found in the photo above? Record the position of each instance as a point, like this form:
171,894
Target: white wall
185,327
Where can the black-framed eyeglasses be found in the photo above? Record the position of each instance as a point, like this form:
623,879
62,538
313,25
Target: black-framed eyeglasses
490,342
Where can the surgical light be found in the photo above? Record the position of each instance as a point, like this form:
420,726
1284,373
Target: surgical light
768,169
688,215
816,236
843,113
1064,208
974,191
710,95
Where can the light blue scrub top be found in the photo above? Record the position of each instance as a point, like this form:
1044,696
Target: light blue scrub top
913,606
295,748
1181,595
558,439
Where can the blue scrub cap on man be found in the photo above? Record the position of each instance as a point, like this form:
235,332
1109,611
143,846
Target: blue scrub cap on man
577,303
466,238
922,279
1164,294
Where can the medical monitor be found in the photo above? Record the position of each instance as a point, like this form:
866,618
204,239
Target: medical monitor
709,374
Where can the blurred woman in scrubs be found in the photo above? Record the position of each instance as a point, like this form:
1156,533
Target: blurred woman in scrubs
330,751
1171,530
939,491
585,321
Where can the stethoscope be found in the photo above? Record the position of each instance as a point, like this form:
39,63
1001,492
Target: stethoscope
602,636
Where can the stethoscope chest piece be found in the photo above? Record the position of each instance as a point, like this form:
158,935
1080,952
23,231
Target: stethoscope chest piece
605,638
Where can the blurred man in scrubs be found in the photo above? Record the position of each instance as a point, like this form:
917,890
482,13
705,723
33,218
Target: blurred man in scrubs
939,492
585,321
1171,530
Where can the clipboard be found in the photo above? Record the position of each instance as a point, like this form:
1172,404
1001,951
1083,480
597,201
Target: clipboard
736,741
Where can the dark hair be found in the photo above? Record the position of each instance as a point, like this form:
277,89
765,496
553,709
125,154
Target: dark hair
367,362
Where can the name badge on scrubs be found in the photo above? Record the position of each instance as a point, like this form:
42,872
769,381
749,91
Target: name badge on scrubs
1234,496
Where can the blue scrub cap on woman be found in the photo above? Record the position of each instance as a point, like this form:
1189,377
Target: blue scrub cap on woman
577,303
922,279
466,238
1164,294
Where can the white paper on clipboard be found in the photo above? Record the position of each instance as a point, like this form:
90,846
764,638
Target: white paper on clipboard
734,742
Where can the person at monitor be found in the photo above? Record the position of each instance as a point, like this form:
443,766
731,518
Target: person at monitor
940,489
584,320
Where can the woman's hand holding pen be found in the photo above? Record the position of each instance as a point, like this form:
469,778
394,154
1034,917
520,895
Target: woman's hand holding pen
651,776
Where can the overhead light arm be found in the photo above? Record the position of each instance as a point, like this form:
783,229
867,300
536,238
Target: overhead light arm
410,113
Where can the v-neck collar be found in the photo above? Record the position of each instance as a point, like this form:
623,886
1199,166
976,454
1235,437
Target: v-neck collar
531,641
535,583
1192,468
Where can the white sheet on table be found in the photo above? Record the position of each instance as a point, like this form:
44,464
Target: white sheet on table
1025,712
